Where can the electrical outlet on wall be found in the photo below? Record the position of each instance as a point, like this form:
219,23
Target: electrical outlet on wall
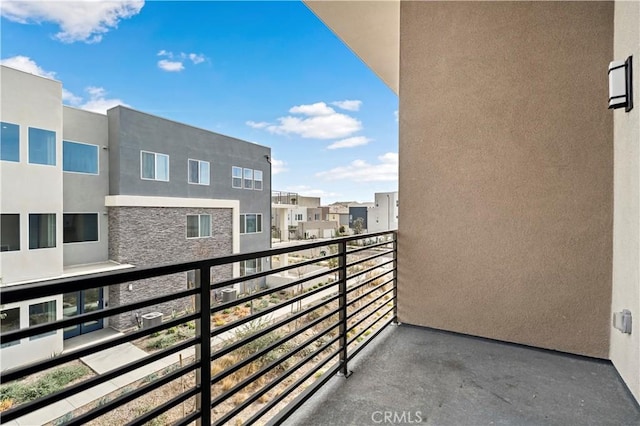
622,321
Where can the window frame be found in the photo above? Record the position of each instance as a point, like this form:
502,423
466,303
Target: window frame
55,137
256,270
55,313
233,176
245,180
198,215
155,166
97,173
243,223
15,342
18,227
81,213
255,179
199,162
55,231
2,139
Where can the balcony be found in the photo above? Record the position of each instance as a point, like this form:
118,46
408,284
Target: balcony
280,354
242,352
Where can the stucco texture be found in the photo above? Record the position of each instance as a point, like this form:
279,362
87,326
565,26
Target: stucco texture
506,175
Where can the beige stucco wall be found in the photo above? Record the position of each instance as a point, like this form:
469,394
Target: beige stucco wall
506,166
625,348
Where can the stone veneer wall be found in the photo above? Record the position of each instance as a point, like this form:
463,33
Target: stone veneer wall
149,236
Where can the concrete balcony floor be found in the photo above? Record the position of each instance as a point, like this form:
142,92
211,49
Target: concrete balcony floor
452,379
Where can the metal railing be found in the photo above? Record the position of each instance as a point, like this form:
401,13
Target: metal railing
255,359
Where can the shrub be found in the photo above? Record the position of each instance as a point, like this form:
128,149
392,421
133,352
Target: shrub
51,382
162,342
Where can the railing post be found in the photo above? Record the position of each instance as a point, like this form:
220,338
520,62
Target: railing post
394,246
342,301
203,348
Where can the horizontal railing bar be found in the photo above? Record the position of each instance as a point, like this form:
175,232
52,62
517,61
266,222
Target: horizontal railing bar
21,410
367,282
130,396
369,293
354,338
371,246
235,345
370,258
150,415
278,380
220,376
17,373
373,268
297,384
269,291
17,293
377,299
366,342
189,419
267,311
92,316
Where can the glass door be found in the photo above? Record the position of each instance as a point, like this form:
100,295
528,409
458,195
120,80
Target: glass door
82,302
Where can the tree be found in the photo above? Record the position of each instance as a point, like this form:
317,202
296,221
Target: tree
358,226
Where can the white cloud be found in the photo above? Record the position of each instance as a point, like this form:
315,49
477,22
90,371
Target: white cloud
278,166
175,62
26,64
319,127
98,102
170,66
70,98
349,105
350,142
257,125
361,171
196,58
319,108
82,20
396,115
307,191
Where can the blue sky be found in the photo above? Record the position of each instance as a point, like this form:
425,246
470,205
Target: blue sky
267,72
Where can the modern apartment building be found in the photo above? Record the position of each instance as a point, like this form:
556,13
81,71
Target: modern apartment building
383,215
85,192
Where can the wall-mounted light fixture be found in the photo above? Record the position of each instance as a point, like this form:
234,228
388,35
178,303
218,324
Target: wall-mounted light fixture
621,85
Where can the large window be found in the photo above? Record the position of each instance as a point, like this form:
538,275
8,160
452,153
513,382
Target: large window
42,313
236,177
10,321
80,227
154,166
198,225
251,266
42,146
199,172
42,231
257,179
250,223
248,178
79,157
9,142
10,232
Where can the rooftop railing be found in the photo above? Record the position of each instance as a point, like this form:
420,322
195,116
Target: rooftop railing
253,358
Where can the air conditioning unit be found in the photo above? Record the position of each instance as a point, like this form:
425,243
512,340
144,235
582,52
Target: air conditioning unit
151,319
228,294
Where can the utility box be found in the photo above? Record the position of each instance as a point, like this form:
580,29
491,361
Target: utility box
228,294
151,319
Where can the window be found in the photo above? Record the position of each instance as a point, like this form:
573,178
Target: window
79,157
42,146
198,225
236,177
199,172
42,231
316,216
80,227
9,142
10,232
298,216
10,321
42,313
251,266
257,178
250,223
154,166
248,178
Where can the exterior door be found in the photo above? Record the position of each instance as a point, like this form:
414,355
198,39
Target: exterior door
82,302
